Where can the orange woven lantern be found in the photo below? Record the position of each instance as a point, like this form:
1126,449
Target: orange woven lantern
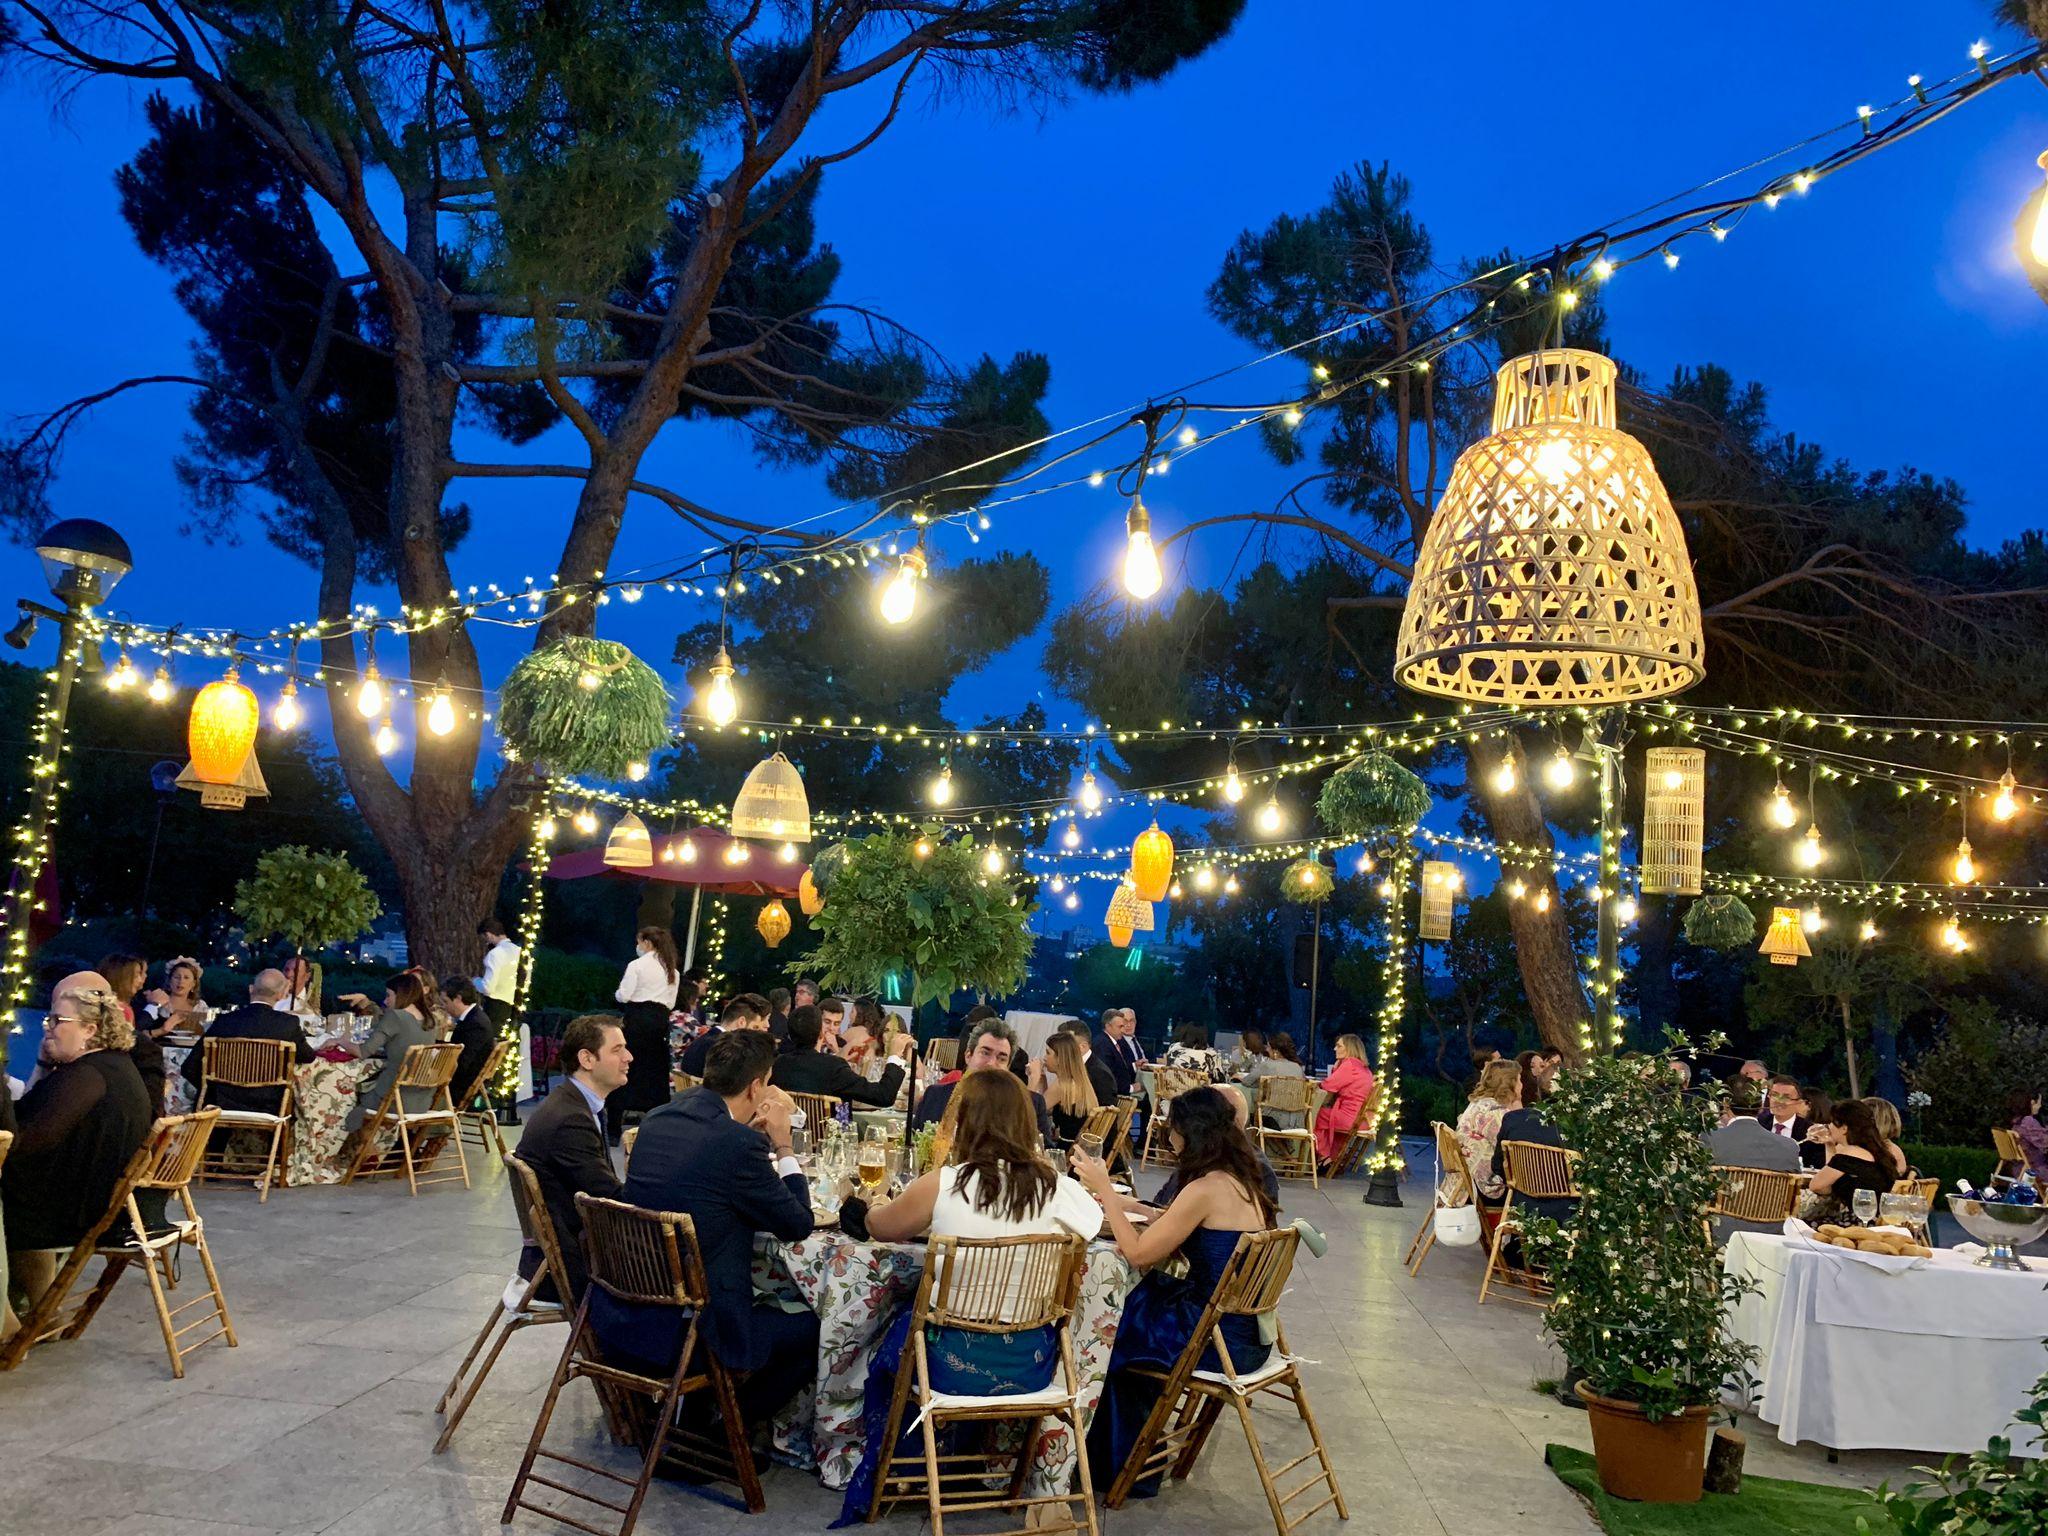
1119,936
1152,863
221,730
807,895
773,924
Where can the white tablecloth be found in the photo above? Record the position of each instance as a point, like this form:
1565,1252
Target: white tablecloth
1034,1029
1852,1358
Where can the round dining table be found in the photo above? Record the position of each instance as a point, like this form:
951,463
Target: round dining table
857,1288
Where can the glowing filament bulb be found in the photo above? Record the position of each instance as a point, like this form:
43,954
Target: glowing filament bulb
1811,920
1386,890
160,686
2037,238
1230,886
899,593
1809,853
370,695
2005,806
1233,786
1059,883
1964,869
786,853
1517,888
1071,838
1173,892
1090,795
1625,910
1782,812
586,821
386,739
1269,816
1308,876
1505,778
123,676
1560,772
719,701
287,713
941,791
1543,900
589,681
1073,901
546,829
1868,931
636,770
1141,560
1554,461
688,852
1673,779
992,860
441,713
923,848
1952,936
1365,863
1205,878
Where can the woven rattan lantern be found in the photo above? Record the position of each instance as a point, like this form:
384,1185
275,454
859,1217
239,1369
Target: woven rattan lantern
1674,820
1127,909
772,803
221,730
1152,863
629,846
1785,940
807,895
773,923
1440,882
1119,936
1554,571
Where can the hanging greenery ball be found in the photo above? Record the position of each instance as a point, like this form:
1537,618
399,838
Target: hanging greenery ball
1307,880
826,864
1370,795
1719,922
578,705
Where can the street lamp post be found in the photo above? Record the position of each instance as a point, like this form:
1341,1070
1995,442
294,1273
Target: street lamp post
82,561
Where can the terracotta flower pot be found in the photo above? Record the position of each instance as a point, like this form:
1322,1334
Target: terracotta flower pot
1660,1463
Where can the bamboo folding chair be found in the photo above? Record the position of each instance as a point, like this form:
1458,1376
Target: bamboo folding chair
1117,1144
520,1306
647,1259
1455,1189
480,1123
1358,1139
987,1286
2012,1158
1166,1082
1101,1124
818,1108
1291,1149
1191,1399
245,1063
381,1154
682,1082
1924,1189
626,1139
943,1054
1756,1194
1533,1172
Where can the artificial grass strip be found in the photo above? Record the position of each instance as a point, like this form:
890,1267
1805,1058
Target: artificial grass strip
1767,1506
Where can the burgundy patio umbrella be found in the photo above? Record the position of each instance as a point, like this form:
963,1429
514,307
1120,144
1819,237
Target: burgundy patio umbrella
763,873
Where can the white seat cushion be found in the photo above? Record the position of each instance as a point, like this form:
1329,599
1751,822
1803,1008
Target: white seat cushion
414,1117
249,1117
1248,1382
1046,1397
516,1289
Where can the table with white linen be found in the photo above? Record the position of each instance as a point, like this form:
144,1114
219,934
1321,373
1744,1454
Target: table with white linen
1851,1357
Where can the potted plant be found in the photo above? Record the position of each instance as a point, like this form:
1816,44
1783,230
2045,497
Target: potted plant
1639,1289
308,899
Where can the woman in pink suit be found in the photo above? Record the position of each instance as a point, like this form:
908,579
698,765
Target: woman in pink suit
1349,1086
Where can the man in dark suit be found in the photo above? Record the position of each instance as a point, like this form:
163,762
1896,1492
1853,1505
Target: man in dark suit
1528,1124
1101,1069
778,1013
990,1045
808,1068
563,1140
473,1031
263,1017
720,1153
1785,1114
747,1011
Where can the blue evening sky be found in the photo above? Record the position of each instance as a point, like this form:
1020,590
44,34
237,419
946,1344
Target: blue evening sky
1885,312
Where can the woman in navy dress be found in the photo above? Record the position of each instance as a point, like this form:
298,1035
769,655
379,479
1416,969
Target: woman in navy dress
1222,1196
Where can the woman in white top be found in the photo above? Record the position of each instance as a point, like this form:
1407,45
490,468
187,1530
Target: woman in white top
997,1184
648,991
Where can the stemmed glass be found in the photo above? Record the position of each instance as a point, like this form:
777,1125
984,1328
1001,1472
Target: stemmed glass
1865,1206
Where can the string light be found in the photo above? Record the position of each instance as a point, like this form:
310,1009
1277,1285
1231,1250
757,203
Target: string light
635,770
1782,812
545,829
1365,863
992,860
1543,899
160,686
687,853
1090,794
718,699
1141,560
922,848
1071,838
786,853
1233,786
286,714
1270,817
370,693
2004,806
1560,772
941,790
124,675
1963,871
586,821
1867,930
1952,936
1505,778
1230,886
1073,901
386,739
1810,853
1811,920
899,593
2037,237
1205,878
441,713
1625,909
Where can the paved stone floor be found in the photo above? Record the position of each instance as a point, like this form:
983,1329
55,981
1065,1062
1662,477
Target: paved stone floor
354,1305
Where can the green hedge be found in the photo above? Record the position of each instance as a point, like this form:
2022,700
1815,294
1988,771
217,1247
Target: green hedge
1951,1163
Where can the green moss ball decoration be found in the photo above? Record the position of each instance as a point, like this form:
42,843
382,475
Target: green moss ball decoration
826,864
1307,880
1720,922
1370,795
584,706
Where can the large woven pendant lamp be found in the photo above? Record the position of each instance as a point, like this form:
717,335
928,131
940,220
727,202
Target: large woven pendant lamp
772,803
1554,571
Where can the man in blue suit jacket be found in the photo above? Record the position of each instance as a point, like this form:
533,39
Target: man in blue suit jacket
720,1154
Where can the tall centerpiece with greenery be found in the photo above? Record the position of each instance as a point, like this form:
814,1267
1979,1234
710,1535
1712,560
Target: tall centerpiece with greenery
308,899
1639,1289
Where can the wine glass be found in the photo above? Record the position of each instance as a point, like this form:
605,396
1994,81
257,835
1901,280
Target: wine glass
1864,1203
873,1167
1089,1144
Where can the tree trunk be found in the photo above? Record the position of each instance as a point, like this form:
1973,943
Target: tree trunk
1849,1048
1543,940
657,905
1884,1036
1656,938
446,895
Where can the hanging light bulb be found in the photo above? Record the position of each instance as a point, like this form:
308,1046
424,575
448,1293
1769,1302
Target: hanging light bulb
737,852
1059,883
1811,920
287,714
1386,890
1560,772
1517,888
1964,870
1505,778
1173,891
1782,811
1867,931
589,681
1270,819
1365,863
2037,238
1141,560
586,821
1674,779
1090,795
992,860
124,676
1952,936
1307,876
636,770
2005,806
668,853
718,700
1071,838
941,790
899,593
1230,886
1810,853
1543,899
1073,900
160,686
547,829
1233,786
1625,910
922,848
370,694
386,739
688,852
441,713
1205,878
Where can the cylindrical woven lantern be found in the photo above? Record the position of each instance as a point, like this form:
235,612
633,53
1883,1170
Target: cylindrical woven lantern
1785,940
629,846
773,923
1554,571
1674,820
1440,881
221,730
772,803
1152,863
807,896
1128,910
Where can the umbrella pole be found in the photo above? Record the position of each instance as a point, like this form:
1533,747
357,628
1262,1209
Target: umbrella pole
690,942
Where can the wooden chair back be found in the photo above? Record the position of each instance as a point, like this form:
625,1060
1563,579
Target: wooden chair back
2008,1146
536,1226
647,1258
1252,1282
1119,1136
429,1066
682,1082
1755,1194
1000,1284
626,1139
176,1148
1101,1122
817,1107
1454,1179
943,1054
1924,1189
1285,1095
485,1075
243,1063
1537,1172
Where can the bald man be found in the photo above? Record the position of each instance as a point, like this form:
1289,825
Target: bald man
268,1015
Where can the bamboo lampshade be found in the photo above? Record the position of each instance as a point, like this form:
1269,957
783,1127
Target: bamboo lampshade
1554,571
629,846
773,923
772,803
807,895
1439,891
1152,863
1785,941
221,730
1674,820
1128,910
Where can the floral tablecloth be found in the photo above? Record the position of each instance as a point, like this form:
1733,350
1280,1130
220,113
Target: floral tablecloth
856,1289
180,1098
323,1093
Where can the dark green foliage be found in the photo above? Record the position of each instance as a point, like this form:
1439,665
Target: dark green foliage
307,899
1948,1164
1370,796
1720,922
1977,1061
825,866
548,713
1307,881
